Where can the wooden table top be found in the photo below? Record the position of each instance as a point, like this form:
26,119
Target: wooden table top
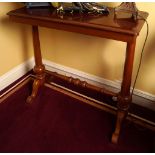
47,17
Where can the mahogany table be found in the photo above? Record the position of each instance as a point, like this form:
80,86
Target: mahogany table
106,26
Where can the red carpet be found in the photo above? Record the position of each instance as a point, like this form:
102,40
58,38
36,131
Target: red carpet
58,123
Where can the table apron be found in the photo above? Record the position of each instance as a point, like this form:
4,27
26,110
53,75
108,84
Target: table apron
76,28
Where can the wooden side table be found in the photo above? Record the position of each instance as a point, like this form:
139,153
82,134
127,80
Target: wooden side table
107,26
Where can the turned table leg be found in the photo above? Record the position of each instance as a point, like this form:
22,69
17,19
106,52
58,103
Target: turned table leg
39,68
124,97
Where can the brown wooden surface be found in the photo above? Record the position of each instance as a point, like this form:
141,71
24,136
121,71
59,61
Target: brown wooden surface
106,26
79,83
39,68
96,25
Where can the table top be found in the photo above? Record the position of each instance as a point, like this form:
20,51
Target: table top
82,23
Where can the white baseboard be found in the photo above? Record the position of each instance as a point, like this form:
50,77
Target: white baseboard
15,73
140,97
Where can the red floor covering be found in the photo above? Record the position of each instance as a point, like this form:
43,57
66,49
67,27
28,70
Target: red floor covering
58,123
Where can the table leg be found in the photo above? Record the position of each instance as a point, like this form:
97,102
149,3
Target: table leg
39,68
124,97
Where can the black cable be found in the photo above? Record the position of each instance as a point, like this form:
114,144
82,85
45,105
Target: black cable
141,56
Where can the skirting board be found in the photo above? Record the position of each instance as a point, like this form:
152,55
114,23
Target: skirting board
15,73
140,97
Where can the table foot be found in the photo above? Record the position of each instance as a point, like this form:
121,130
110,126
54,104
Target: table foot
114,138
29,99
36,84
115,135
123,105
120,118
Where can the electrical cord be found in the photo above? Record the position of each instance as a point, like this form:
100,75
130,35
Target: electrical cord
141,55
